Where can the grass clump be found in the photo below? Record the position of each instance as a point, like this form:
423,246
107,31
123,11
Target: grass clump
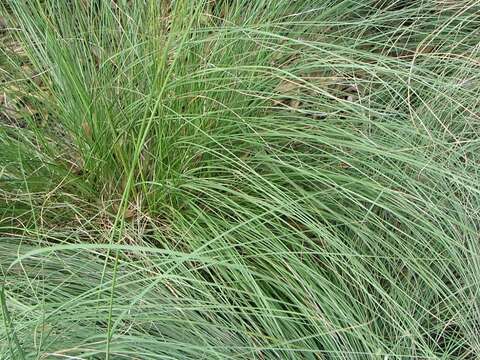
240,179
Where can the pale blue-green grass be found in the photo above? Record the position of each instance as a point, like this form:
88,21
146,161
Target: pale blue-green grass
240,179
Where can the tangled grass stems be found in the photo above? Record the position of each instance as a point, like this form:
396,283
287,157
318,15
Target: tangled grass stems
240,180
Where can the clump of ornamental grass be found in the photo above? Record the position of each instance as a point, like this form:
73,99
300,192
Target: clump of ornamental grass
240,179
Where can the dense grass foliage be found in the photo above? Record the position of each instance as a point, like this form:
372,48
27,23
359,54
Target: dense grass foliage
268,179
